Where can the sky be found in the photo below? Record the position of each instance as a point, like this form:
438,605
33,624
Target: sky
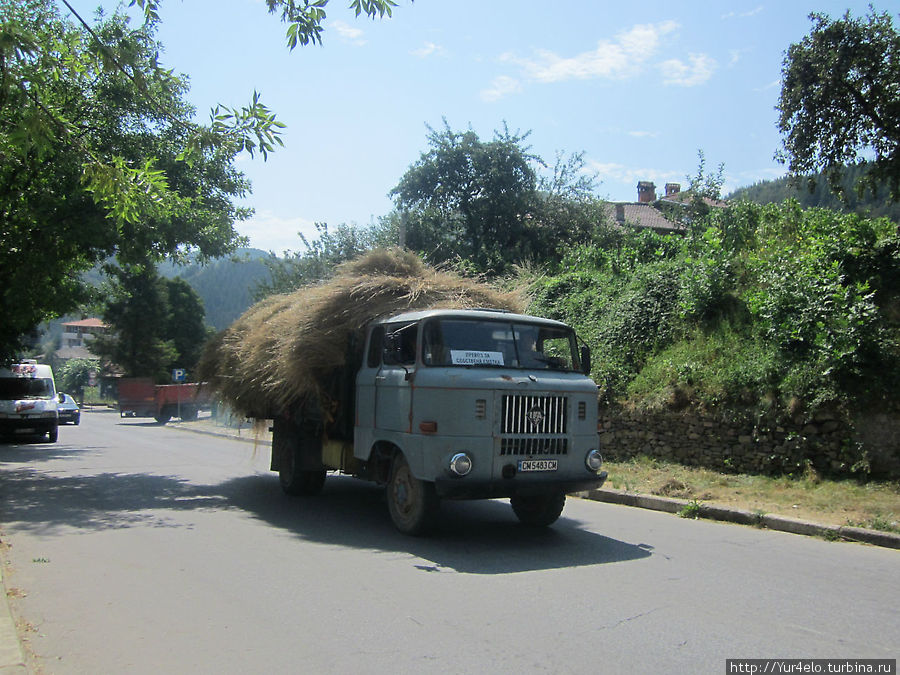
639,87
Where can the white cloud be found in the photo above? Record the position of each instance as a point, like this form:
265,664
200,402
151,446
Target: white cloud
770,85
348,33
699,70
271,232
743,15
643,134
629,174
428,49
500,87
620,58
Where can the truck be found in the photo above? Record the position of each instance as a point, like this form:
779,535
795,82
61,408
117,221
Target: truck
142,397
29,401
451,404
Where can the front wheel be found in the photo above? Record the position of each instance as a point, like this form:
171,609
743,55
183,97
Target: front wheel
538,510
53,434
412,503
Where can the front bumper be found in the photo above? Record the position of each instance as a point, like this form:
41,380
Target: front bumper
463,488
29,425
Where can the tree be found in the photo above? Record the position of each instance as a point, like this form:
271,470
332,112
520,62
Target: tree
840,99
485,204
75,375
157,324
186,327
138,315
473,198
99,158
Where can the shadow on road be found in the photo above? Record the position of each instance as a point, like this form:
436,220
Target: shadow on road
480,537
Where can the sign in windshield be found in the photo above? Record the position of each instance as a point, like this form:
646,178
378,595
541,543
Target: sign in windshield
500,344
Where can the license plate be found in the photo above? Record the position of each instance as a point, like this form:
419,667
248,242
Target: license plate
24,431
526,465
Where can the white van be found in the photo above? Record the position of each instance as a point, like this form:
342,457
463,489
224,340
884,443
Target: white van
28,401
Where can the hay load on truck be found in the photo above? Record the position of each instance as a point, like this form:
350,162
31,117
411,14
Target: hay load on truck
141,397
396,373
28,401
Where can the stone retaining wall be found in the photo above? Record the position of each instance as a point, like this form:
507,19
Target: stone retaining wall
743,442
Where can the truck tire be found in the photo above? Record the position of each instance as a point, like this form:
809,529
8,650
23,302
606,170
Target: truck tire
412,503
538,510
188,413
162,417
298,482
53,434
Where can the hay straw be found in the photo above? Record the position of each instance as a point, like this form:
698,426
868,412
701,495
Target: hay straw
286,347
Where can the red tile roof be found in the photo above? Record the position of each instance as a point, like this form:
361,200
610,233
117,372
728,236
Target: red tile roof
87,323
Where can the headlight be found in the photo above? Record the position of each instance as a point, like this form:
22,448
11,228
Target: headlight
593,461
460,464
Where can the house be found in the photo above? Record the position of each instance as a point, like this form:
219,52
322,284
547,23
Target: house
76,336
649,212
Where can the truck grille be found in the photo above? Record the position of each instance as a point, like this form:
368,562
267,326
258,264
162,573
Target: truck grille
534,425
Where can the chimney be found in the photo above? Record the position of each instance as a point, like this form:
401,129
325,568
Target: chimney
672,189
646,192
620,214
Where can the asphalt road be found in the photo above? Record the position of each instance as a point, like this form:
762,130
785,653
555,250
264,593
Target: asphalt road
136,548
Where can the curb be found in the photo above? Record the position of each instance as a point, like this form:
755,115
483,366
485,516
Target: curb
222,432
723,513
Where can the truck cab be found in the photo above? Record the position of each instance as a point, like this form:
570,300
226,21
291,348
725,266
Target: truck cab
479,404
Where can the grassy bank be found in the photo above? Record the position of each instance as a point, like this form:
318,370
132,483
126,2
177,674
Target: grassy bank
871,505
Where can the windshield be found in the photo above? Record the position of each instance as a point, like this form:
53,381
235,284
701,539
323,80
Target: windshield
501,344
25,387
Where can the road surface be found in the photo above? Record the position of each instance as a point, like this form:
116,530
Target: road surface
137,548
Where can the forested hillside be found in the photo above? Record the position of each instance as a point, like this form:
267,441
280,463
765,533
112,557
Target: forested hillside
225,285
818,194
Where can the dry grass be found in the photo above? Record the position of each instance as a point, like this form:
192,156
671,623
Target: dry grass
285,348
873,505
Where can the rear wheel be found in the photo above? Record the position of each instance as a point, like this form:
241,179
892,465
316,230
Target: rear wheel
299,482
412,503
538,510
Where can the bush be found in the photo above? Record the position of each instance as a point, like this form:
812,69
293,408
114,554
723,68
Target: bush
760,304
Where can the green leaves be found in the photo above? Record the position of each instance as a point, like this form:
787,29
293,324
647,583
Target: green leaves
129,193
91,131
305,18
840,101
764,304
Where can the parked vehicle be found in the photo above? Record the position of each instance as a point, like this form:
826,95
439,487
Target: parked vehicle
28,401
69,412
141,397
452,404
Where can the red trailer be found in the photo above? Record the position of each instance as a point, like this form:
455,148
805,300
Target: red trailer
141,397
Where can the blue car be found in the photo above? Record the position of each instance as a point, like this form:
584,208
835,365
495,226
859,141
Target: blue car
68,410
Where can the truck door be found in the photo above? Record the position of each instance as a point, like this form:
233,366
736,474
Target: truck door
393,382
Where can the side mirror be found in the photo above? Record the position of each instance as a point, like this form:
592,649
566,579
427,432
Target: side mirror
61,397
586,360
